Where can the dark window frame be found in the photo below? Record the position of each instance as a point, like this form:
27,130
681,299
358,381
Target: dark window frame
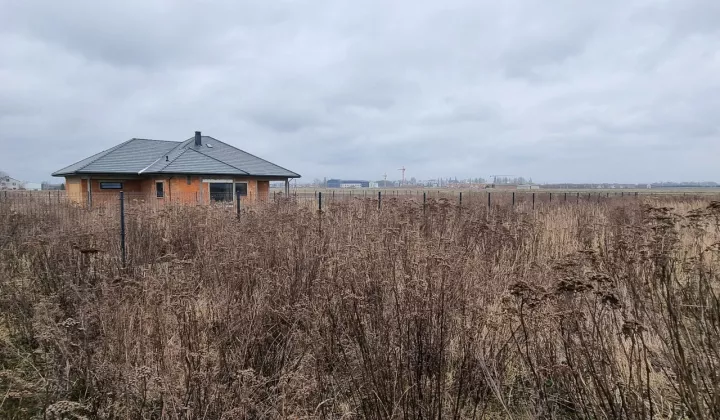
224,196
160,192
238,184
111,185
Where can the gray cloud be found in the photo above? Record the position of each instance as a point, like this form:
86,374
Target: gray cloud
568,91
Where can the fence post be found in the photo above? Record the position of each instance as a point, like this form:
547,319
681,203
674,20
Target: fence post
237,200
333,195
424,197
379,199
533,201
319,195
488,200
578,198
122,227
460,198
551,197
565,197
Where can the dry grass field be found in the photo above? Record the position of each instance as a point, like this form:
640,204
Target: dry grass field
597,310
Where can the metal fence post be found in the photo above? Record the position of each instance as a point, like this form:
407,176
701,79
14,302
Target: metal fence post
551,197
122,227
513,199
566,197
237,200
424,197
460,198
379,199
533,201
578,198
488,199
319,195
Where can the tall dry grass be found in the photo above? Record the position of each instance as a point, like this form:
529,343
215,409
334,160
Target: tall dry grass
593,310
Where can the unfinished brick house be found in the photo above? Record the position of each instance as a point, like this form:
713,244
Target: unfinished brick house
200,169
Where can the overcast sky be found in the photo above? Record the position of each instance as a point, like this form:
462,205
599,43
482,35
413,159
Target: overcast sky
561,90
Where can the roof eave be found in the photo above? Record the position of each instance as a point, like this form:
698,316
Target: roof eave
81,173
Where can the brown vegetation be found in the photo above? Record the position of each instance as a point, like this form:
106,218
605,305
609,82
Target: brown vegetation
591,310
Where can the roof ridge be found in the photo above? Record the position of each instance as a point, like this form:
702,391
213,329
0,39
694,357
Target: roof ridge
266,161
166,141
173,159
218,160
179,144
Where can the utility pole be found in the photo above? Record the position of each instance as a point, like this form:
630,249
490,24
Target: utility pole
403,175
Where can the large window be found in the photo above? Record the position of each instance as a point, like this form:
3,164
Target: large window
221,191
111,185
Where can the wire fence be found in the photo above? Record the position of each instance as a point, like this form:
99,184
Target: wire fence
491,198
59,201
121,215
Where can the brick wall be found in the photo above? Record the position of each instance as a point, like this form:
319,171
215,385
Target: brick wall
176,189
263,188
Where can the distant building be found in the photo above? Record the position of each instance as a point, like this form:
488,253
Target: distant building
344,183
528,187
7,183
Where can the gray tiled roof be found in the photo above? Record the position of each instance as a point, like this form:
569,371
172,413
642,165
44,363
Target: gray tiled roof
142,156
190,161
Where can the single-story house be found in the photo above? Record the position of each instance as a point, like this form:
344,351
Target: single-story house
200,169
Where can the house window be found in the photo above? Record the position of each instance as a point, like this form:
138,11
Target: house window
111,185
221,191
159,189
241,189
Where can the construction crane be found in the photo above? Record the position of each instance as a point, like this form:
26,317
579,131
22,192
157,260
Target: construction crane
495,177
403,175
